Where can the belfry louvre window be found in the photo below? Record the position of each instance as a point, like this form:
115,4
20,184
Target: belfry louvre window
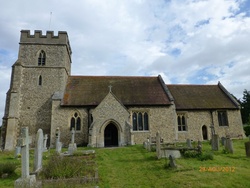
140,121
75,122
182,124
42,58
222,118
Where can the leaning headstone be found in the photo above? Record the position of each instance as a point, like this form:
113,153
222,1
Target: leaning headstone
189,143
247,147
215,142
58,143
229,145
26,179
38,151
223,140
72,145
158,145
45,139
172,163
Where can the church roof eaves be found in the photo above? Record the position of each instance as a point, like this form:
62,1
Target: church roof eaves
130,90
200,97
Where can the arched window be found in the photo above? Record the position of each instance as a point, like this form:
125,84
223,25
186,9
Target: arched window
181,120
134,121
140,121
41,58
40,80
145,121
75,122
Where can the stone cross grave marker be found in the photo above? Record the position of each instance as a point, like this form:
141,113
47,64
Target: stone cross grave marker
45,139
26,179
38,151
212,130
72,145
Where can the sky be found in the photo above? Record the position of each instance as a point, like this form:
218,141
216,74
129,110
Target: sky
185,41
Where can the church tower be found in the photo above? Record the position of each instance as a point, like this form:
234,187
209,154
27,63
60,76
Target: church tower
42,68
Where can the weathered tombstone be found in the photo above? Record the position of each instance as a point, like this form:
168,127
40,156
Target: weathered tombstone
199,147
215,142
26,179
45,139
158,145
17,151
38,151
189,143
229,145
72,145
172,163
247,147
149,143
223,140
58,143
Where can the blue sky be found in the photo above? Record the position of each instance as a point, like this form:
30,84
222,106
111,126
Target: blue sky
186,41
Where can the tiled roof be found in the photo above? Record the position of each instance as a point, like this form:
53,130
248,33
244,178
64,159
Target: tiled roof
91,90
201,97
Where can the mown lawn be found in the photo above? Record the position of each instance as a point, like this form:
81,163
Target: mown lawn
134,166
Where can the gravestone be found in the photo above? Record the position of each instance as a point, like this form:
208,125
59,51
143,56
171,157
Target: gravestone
72,145
215,142
149,143
38,151
58,143
189,143
247,147
229,145
172,163
199,147
223,140
45,139
26,179
158,145
17,151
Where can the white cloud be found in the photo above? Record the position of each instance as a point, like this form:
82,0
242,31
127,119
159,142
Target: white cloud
185,41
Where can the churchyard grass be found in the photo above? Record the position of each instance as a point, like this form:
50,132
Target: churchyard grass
134,166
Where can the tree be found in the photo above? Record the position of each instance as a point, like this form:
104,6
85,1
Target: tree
245,107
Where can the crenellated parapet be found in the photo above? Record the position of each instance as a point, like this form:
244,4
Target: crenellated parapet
48,39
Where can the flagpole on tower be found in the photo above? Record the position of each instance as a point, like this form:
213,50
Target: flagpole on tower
50,20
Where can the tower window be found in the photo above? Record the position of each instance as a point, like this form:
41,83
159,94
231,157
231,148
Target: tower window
75,122
41,58
40,80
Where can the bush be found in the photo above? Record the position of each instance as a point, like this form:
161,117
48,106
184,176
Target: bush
206,156
191,154
7,168
247,130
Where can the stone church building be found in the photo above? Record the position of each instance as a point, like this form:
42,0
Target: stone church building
106,110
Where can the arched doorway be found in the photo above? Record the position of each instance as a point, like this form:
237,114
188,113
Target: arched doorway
204,132
110,136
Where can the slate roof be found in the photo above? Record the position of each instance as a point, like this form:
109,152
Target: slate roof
192,97
91,90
